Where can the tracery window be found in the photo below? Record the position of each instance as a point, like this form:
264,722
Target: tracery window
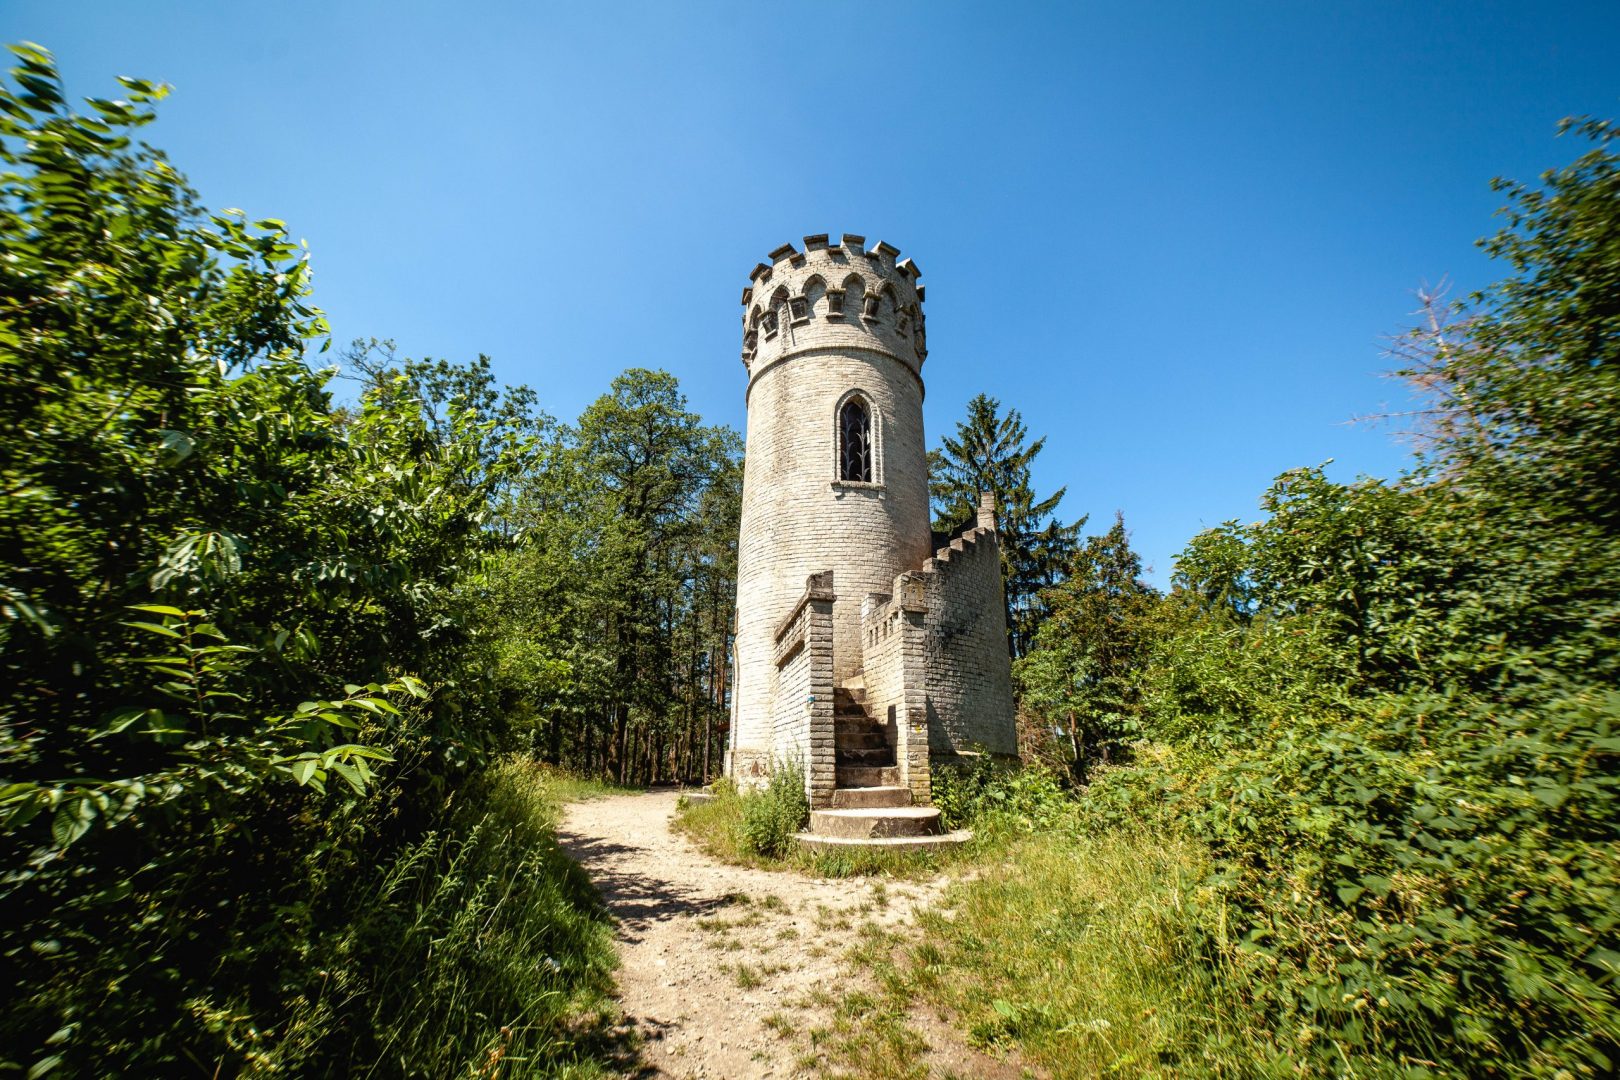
855,442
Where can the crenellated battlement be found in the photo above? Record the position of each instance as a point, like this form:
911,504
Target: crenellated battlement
833,295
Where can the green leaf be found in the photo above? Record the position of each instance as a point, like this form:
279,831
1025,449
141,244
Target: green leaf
349,774
160,609
154,628
72,821
33,53
176,445
303,770
123,719
44,1066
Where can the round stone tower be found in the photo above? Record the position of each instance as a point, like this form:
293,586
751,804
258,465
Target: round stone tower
836,476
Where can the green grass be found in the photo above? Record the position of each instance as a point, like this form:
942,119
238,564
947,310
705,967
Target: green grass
563,786
1079,952
482,952
1074,951
718,827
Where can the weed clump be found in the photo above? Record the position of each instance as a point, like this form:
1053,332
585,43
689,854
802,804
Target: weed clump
772,815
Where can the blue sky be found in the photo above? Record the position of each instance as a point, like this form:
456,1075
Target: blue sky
1172,235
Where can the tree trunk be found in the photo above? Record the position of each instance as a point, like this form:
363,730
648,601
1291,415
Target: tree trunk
1078,745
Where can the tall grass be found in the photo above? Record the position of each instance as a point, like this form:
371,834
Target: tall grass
481,952
1075,949
756,828
1084,949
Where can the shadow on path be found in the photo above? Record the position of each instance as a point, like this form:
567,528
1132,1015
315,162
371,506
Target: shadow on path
637,898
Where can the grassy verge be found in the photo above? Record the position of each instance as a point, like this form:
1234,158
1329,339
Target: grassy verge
1071,950
481,952
1085,950
728,827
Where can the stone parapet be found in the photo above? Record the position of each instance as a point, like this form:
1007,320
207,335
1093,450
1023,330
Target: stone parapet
833,296
894,640
969,671
802,721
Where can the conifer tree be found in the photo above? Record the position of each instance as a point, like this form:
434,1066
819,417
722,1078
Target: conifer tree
990,452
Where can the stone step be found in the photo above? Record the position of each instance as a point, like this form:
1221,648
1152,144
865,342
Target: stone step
870,739
827,845
857,776
848,704
873,758
877,821
866,798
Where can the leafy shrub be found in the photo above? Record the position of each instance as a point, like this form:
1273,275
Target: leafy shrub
960,788
196,805
774,814
982,792
1388,710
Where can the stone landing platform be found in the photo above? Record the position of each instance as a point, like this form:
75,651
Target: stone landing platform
877,818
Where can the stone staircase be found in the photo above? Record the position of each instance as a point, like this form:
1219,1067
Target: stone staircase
870,808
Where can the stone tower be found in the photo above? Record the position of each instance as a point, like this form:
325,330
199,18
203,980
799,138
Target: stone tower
847,617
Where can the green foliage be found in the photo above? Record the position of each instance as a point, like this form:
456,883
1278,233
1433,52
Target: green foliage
772,815
959,788
989,455
1072,945
1388,709
1084,670
980,793
613,615
478,949
240,628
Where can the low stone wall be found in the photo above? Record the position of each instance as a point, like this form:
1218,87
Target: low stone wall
893,634
802,722
969,673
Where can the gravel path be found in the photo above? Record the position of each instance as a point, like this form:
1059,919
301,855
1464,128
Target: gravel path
725,968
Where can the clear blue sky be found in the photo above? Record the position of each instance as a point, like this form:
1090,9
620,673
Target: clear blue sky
1172,235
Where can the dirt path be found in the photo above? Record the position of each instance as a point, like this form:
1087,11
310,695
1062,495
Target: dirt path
727,970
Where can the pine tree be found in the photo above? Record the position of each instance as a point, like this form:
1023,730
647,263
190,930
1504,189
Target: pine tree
991,453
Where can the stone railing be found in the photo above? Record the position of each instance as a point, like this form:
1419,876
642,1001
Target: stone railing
893,638
803,724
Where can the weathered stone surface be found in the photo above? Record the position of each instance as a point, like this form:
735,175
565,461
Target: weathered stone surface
860,798
885,821
850,776
829,844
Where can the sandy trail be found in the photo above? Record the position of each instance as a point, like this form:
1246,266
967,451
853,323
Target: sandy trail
726,968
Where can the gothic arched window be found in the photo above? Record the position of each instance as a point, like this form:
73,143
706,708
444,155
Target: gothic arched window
855,442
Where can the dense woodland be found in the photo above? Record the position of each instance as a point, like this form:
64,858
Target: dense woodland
294,637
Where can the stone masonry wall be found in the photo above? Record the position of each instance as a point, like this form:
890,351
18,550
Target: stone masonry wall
802,720
894,635
969,674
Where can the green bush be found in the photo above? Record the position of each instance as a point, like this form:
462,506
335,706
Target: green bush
1388,710
242,673
981,792
960,788
774,814
480,945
